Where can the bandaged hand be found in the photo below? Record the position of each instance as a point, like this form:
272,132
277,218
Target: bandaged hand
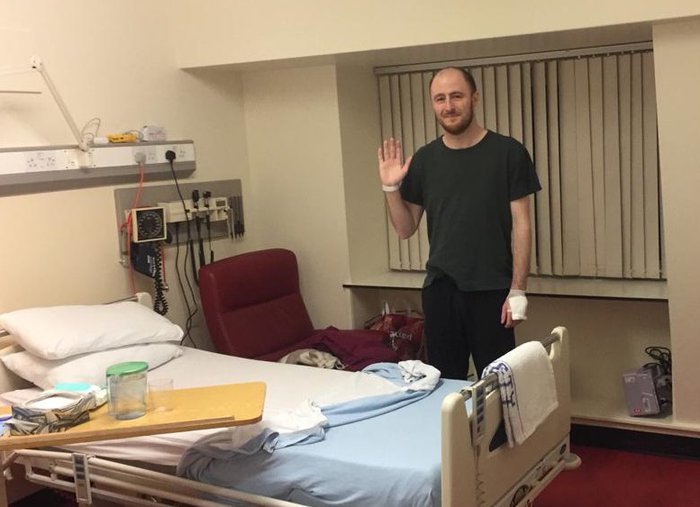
517,301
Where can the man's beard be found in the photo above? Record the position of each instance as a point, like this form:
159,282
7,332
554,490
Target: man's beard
459,128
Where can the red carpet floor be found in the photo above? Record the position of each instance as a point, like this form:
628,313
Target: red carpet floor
611,478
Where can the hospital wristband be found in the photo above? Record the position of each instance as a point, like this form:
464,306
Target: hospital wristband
390,188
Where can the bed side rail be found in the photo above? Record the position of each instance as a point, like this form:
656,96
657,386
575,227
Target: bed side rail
126,484
480,389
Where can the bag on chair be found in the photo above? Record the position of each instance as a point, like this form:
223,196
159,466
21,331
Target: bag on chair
403,329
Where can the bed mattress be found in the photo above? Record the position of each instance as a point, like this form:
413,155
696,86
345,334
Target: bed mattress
288,386
392,460
389,460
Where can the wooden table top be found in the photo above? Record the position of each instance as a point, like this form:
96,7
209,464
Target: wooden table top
193,409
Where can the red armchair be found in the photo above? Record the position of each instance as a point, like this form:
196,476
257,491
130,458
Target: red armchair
252,304
253,308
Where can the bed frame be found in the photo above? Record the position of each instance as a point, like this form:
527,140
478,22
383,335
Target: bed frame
472,475
505,476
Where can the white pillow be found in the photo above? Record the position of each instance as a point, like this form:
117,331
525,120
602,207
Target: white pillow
90,368
56,332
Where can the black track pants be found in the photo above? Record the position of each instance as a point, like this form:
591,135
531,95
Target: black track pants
459,323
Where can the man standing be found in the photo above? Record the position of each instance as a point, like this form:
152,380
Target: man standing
474,187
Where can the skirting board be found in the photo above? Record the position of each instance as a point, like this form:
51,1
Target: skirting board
636,441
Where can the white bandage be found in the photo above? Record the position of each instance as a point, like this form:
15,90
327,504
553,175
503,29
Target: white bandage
517,300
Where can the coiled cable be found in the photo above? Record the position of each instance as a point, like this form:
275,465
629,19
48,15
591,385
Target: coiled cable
160,304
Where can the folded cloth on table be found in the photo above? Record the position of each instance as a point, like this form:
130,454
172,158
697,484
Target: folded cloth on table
51,412
527,387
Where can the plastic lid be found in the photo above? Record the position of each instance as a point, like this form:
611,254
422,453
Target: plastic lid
73,386
128,368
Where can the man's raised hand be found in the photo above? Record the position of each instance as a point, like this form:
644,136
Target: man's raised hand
391,169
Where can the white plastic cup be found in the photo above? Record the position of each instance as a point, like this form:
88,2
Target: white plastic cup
158,390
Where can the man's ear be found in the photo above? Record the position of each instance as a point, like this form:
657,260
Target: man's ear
476,98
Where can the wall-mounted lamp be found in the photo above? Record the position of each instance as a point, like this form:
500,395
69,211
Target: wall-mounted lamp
37,65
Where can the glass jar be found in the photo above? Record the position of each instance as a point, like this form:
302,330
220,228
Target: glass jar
127,389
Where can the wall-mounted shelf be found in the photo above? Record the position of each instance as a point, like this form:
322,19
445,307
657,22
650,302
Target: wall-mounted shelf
600,288
49,168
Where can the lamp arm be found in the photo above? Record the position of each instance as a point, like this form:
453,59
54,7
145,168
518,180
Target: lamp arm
39,66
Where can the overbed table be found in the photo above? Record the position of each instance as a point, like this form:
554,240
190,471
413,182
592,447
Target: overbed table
193,409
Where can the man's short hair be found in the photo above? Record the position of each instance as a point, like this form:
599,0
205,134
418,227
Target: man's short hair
468,78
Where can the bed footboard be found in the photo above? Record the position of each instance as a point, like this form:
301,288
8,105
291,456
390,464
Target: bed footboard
504,476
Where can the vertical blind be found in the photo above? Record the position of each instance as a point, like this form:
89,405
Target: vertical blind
589,122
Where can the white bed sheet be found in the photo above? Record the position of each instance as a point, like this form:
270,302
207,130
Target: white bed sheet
288,386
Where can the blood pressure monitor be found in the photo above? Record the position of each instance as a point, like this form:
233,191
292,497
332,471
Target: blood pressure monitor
148,224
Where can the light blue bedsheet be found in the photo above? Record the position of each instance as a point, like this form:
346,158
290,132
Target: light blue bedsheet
389,460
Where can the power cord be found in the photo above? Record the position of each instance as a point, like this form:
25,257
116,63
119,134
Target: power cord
191,312
126,226
662,355
663,381
170,156
198,223
206,196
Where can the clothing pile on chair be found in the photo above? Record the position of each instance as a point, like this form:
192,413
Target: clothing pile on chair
350,350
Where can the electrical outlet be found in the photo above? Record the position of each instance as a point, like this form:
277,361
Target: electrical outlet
174,211
72,159
41,161
145,154
151,155
181,152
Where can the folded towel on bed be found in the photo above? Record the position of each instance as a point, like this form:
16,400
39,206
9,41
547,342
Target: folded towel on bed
418,375
528,392
409,375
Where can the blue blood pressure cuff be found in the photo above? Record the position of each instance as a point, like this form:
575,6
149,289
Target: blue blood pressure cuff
51,412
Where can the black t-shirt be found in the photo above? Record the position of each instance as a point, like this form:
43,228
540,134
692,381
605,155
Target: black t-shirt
466,195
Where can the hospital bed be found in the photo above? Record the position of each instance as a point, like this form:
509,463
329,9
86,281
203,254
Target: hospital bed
451,466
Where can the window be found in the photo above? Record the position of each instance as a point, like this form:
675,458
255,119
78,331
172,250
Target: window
588,119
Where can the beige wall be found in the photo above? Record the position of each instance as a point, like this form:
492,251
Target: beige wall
608,338
240,31
294,135
360,132
676,50
609,335
116,62
298,202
